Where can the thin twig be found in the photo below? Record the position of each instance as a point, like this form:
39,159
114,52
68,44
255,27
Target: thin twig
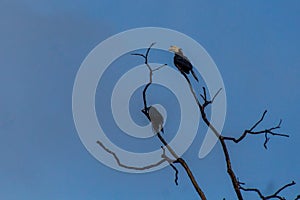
171,164
204,97
176,173
146,55
158,68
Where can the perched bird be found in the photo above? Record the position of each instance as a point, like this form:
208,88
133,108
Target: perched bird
156,119
182,62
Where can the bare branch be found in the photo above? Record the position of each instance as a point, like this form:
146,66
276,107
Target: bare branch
145,110
138,54
275,195
145,56
178,160
265,132
259,121
202,107
204,94
285,186
176,173
266,140
235,182
158,68
204,97
147,52
213,99
192,90
253,190
171,164
222,139
130,167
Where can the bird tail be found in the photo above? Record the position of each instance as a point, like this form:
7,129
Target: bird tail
194,75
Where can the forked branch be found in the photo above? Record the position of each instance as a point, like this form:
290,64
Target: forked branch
236,184
275,195
206,100
164,159
173,153
251,131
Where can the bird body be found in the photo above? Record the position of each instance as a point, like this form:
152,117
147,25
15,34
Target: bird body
156,119
182,62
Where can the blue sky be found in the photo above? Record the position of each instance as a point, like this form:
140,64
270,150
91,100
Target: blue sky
254,44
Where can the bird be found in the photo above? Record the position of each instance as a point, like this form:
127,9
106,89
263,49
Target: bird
182,62
156,119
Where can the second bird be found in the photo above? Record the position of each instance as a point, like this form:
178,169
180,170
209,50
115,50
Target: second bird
182,62
156,118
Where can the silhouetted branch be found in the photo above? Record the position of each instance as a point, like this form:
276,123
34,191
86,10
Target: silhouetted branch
204,97
146,55
272,196
132,167
144,110
202,107
265,132
176,173
236,184
171,164
191,89
177,158
165,158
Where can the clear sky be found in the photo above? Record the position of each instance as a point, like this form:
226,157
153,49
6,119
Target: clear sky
255,45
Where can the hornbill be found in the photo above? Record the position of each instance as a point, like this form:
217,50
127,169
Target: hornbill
182,62
156,119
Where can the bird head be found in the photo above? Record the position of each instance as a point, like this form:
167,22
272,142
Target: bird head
175,49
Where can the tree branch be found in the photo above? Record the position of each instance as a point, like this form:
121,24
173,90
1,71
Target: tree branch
204,97
177,158
132,167
202,107
236,184
165,158
222,139
265,132
275,195
171,164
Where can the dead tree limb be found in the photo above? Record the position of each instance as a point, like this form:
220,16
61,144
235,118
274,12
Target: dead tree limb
164,159
222,139
236,184
173,153
202,107
275,195
265,131
171,164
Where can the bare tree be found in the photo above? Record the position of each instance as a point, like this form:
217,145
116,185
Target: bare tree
202,105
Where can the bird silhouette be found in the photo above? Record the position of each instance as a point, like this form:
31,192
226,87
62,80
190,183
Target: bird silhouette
182,62
156,119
